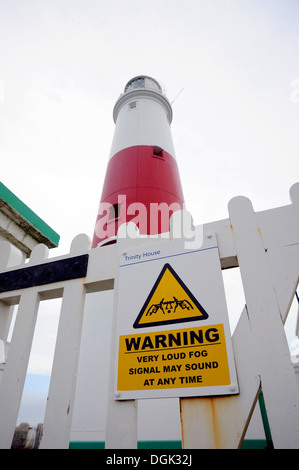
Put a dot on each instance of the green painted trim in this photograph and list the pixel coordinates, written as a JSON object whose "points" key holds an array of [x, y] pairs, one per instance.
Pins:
{"points": [[13, 201], [247, 444], [265, 421], [159, 445], [87, 445], [254, 444], [140, 445]]}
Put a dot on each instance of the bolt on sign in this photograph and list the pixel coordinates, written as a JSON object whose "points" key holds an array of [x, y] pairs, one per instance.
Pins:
{"points": [[173, 336]]}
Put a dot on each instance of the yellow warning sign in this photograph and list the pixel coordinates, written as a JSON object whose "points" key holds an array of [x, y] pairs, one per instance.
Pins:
{"points": [[170, 301], [193, 357]]}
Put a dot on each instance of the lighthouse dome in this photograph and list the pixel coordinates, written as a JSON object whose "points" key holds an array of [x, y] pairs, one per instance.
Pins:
{"points": [[143, 81]]}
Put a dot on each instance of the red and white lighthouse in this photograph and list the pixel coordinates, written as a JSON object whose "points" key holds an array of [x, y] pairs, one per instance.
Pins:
{"points": [[142, 182]]}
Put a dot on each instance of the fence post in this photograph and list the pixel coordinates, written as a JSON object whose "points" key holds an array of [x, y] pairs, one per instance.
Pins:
{"points": [[59, 410], [15, 370], [121, 428], [9, 256], [278, 380]]}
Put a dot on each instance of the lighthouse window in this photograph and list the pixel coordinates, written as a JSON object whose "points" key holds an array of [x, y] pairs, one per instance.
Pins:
{"points": [[158, 152], [138, 83], [135, 83], [132, 104]]}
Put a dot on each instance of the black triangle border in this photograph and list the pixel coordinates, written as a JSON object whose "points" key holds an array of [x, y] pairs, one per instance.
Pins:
{"points": [[204, 315]]}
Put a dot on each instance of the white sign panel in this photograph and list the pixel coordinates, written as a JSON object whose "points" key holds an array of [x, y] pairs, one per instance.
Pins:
{"points": [[173, 336]]}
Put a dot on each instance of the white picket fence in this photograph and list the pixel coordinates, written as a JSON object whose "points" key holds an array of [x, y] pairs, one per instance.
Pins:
{"points": [[265, 246]]}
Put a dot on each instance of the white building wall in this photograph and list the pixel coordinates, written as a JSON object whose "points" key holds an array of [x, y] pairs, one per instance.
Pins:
{"points": [[152, 129]]}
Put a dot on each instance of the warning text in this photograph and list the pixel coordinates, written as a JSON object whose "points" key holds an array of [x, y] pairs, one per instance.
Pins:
{"points": [[193, 357]]}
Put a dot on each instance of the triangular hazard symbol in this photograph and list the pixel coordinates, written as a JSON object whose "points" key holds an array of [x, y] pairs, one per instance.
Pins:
{"points": [[169, 301]]}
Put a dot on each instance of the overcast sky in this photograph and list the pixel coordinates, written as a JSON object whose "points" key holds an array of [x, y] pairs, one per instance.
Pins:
{"points": [[234, 65], [63, 64]]}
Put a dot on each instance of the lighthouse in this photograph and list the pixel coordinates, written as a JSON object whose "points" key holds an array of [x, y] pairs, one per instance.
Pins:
{"points": [[142, 182]]}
